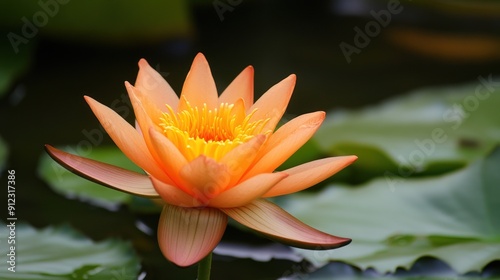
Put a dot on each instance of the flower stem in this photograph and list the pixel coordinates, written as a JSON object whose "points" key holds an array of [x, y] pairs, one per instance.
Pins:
{"points": [[204, 267]]}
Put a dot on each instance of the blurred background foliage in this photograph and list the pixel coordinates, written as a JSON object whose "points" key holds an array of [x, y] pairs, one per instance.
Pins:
{"points": [[406, 64], [101, 22]]}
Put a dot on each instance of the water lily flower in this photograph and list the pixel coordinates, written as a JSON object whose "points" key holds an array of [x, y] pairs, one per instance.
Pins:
{"points": [[211, 157]]}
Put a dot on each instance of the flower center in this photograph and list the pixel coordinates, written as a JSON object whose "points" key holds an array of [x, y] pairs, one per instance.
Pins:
{"points": [[212, 132]]}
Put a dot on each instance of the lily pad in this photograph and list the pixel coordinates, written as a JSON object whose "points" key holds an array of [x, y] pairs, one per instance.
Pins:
{"points": [[308, 152], [73, 186], [452, 217], [429, 131], [426, 268], [62, 253]]}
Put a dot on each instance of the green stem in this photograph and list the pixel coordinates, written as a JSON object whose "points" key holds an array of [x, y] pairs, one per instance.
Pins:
{"points": [[204, 267]]}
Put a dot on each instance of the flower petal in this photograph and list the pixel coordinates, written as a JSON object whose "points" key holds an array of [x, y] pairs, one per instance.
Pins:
{"points": [[205, 177], [269, 219], [247, 191], [105, 174], [199, 86], [241, 87], [142, 100], [171, 158], [145, 112], [173, 195], [240, 158], [151, 83], [273, 103], [308, 174], [127, 138], [187, 235], [286, 141], [238, 111]]}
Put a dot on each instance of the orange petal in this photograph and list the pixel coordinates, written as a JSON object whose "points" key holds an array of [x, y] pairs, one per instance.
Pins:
{"points": [[154, 86], [138, 127], [199, 86], [174, 195], [286, 141], [187, 235], [240, 158], [247, 191], [205, 177], [145, 102], [145, 112], [240, 87], [269, 219], [105, 174], [127, 139], [171, 158], [273, 103], [308, 174], [238, 111]]}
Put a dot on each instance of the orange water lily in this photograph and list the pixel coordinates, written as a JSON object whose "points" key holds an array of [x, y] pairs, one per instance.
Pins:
{"points": [[209, 157]]}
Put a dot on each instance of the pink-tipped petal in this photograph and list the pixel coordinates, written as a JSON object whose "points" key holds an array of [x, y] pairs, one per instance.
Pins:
{"points": [[174, 195], [240, 158], [187, 235], [273, 103], [286, 141], [155, 86], [105, 174], [308, 174], [269, 219], [127, 139], [240, 87], [199, 87], [247, 191], [205, 177]]}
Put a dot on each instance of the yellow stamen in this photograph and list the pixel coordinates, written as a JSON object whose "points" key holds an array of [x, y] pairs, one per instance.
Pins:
{"points": [[212, 132]]}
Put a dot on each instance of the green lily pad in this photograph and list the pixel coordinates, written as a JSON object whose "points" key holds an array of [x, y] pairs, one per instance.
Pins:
{"points": [[429, 131], [426, 268], [68, 184], [453, 217], [62, 253], [308, 152]]}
